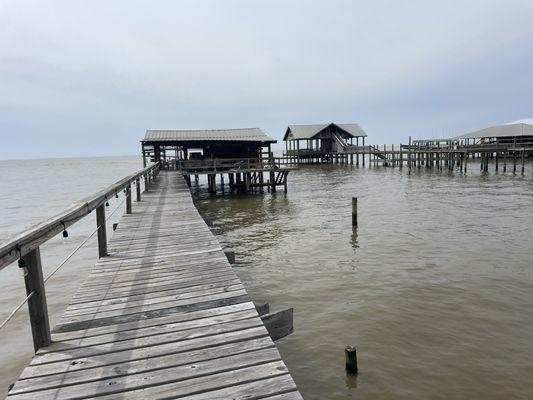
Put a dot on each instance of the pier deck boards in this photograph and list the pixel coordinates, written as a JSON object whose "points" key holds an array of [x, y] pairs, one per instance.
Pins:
{"points": [[163, 316]]}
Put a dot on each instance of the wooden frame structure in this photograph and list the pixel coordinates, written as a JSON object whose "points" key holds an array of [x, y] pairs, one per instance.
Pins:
{"points": [[325, 142], [244, 155]]}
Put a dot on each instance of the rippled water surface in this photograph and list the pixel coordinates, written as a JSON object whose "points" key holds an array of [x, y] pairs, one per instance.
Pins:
{"points": [[31, 191], [435, 288]]}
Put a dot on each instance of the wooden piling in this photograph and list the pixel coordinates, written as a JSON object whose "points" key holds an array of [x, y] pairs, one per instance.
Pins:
{"points": [[37, 307], [409, 156], [354, 212], [128, 199], [138, 188], [102, 235], [351, 359]]}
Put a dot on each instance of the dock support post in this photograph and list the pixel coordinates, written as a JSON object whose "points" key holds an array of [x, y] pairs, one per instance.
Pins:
{"points": [[273, 181], [523, 166], [247, 180], [354, 212], [230, 255], [505, 162], [231, 182], [409, 156], [138, 189], [38, 310], [128, 199], [102, 236], [351, 359]]}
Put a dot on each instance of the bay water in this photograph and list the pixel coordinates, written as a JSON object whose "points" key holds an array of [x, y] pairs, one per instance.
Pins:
{"points": [[435, 287]]}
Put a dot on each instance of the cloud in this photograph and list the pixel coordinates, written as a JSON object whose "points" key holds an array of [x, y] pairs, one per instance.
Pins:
{"points": [[197, 63]]}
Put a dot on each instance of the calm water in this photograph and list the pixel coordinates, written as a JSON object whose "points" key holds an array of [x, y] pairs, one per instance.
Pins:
{"points": [[31, 191], [435, 290]]}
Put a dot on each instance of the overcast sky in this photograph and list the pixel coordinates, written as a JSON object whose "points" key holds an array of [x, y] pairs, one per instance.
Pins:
{"points": [[83, 78]]}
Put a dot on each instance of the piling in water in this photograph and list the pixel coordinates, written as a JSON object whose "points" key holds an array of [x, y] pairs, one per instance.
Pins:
{"points": [[351, 359], [354, 212]]}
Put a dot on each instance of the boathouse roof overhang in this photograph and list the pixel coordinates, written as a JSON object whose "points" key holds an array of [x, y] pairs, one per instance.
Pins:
{"points": [[518, 128], [251, 135], [302, 132]]}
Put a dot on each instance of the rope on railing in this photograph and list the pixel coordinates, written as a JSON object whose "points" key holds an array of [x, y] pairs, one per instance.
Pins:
{"points": [[19, 306], [16, 309]]}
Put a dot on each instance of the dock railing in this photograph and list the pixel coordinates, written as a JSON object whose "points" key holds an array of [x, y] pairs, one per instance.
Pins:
{"points": [[25, 246], [235, 164]]}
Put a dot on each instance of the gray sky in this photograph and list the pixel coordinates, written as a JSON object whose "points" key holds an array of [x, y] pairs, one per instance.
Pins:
{"points": [[89, 77]]}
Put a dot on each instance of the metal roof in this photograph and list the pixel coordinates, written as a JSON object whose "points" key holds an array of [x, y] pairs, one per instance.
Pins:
{"points": [[235, 135], [523, 127], [309, 131]]}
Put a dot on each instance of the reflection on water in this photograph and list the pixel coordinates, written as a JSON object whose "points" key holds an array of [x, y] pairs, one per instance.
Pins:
{"points": [[434, 287], [353, 239]]}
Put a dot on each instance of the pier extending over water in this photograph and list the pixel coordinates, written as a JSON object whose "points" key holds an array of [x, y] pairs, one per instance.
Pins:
{"points": [[161, 315]]}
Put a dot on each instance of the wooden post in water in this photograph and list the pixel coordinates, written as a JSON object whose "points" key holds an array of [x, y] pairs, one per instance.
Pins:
{"points": [[138, 188], [40, 326], [363, 151], [523, 157], [128, 199], [351, 359], [354, 212], [102, 235], [409, 156]]}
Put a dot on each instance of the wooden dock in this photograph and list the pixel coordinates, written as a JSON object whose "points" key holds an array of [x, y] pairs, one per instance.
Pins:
{"points": [[162, 316]]}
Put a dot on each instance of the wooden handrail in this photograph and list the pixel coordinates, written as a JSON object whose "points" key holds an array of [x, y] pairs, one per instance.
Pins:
{"points": [[27, 241]]}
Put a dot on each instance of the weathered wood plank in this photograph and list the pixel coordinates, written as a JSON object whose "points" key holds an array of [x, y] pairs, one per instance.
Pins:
{"points": [[163, 315], [155, 376], [142, 353], [139, 366]]}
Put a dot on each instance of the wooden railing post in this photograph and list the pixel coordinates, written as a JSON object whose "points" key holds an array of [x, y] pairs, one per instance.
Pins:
{"points": [[128, 199], [138, 187], [40, 327], [102, 235]]}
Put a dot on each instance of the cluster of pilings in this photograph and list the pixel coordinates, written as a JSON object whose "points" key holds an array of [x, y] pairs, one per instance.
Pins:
{"points": [[447, 157], [243, 182]]}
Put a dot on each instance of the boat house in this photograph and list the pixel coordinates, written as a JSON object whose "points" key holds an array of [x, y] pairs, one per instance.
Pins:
{"points": [[512, 135], [169, 146], [243, 156], [322, 142]]}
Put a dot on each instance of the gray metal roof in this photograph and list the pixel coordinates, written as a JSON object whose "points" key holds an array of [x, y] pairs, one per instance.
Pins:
{"points": [[309, 131], [517, 128], [236, 135]]}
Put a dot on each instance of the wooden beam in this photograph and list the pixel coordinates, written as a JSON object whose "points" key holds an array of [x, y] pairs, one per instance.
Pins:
{"points": [[40, 326], [279, 324], [102, 235]]}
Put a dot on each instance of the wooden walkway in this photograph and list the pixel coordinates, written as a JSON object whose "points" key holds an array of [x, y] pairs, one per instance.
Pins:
{"points": [[163, 316]]}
